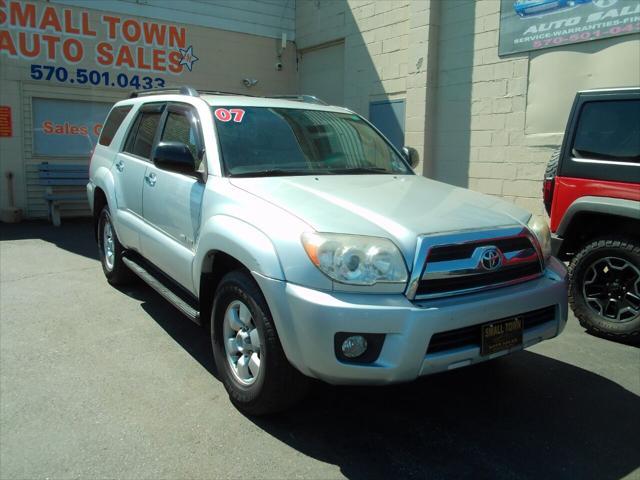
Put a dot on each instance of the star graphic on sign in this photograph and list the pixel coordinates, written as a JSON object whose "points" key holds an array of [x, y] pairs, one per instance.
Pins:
{"points": [[188, 58]]}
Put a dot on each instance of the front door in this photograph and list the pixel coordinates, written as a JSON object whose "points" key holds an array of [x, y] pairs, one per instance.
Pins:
{"points": [[171, 202]]}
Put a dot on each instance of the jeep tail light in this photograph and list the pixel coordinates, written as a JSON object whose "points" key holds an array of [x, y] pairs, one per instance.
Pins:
{"points": [[547, 193]]}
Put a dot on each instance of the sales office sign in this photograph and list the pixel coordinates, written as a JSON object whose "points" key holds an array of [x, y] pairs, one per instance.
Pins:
{"points": [[127, 52]]}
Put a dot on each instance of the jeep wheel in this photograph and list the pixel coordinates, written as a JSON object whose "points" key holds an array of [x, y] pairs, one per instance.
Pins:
{"points": [[253, 367], [111, 251], [604, 287]]}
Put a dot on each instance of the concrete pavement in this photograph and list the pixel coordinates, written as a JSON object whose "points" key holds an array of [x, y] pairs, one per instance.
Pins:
{"points": [[97, 382]]}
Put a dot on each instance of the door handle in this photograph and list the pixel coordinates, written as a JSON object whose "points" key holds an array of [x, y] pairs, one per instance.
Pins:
{"points": [[120, 166], [151, 179]]}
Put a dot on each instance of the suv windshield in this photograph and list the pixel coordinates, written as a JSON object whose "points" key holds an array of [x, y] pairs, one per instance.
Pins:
{"points": [[261, 141]]}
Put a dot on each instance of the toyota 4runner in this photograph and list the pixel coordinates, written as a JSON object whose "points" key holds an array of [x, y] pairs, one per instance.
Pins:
{"points": [[301, 239]]}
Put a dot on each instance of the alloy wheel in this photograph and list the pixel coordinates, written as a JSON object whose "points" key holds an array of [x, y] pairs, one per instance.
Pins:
{"points": [[241, 342], [108, 244], [611, 288]]}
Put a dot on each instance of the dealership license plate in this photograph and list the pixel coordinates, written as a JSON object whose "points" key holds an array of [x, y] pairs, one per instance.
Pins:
{"points": [[503, 335]]}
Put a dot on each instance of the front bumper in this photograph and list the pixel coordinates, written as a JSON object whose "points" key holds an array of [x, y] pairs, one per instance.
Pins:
{"points": [[307, 321]]}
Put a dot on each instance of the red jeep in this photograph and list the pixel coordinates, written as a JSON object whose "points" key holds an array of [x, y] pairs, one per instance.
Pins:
{"points": [[592, 193]]}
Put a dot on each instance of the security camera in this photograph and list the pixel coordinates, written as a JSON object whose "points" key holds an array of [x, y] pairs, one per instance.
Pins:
{"points": [[249, 82], [279, 66]]}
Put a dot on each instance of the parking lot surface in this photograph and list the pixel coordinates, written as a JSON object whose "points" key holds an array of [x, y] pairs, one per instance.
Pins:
{"points": [[97, 382]]}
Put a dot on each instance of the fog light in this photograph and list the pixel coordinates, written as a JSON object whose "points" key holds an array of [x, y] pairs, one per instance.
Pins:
{"points": [[354, 346]]}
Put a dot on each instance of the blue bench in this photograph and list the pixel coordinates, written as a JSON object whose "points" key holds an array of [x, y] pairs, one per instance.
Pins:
{"points": [[62, 175]]}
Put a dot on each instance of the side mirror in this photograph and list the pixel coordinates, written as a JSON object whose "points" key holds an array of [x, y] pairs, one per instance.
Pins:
{"points": [[175, 157], [411, 155]]}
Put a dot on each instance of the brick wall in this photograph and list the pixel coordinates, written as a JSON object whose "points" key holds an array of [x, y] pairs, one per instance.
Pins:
{"points": [[466, 108]]}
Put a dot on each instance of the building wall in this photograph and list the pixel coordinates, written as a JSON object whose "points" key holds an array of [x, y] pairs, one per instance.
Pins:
{"points": [[375, 38], [269, 18], [478, 120], [500, 118], [225, 58]]}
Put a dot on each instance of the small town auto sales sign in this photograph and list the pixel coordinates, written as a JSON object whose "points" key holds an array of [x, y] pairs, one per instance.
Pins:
{"points": [[59, 40], [527, 25]]}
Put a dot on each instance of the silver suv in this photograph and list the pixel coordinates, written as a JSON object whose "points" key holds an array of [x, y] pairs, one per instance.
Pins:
{"points": [[302, 240]]}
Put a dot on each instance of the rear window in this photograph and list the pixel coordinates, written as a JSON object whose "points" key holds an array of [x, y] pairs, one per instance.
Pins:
{"points": [[141, 137], [609, 130], [114, 120]]}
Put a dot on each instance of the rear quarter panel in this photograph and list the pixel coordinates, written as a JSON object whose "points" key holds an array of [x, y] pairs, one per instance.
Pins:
{"points": [[568, 190]]}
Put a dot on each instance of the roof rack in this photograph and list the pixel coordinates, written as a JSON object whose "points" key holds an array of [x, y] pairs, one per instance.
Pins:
{"points": [[300, 98], [219, 92], [192, 92], [184, 90]]}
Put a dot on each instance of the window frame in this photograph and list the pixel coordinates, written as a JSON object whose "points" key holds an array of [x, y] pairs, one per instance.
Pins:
{"points": [[152, 107], [128, 108], [191, 113], [606, 170], [583, 108]]}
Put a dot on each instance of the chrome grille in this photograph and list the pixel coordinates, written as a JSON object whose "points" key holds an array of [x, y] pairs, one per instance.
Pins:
{"points": [[471, 261]]}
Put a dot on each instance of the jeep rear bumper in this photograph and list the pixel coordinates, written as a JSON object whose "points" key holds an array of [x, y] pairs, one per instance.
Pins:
{"points": [[307, 321]]}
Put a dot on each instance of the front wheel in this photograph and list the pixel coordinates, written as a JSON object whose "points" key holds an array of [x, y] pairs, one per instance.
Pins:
{"points": [[252, 365], [604, 287]]}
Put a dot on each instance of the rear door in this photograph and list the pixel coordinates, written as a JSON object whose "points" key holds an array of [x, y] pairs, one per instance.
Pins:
{"points": [[129, 170], [171, 202]]}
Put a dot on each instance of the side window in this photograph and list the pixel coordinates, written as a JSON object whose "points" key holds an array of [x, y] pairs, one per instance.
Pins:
{"points": [[179, 128], [141, 136], [609, 130], [114, 120]]}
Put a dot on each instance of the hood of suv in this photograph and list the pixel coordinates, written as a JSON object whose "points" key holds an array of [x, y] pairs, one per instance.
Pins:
{"points": [[397, 207]]}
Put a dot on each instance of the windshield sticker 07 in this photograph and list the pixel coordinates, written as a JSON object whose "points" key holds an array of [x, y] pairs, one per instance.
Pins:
{"points": [[226, 115]]}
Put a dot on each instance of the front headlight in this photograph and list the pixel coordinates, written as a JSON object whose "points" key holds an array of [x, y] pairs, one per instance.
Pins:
{"points": [[541, 230], [355, 259]]}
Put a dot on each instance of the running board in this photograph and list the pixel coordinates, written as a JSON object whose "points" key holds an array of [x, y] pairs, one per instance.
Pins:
{"points": [[159, 286]]}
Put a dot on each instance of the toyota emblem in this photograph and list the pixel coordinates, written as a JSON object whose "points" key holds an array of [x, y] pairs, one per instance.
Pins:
{"points": [[491, 259]]}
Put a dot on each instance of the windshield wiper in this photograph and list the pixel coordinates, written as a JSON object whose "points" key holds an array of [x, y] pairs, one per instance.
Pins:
{"points": [[358, 170], [273, 172]]}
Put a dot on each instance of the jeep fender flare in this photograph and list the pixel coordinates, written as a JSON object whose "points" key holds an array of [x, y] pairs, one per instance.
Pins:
{"points": [[606, 205], [240, 240]]}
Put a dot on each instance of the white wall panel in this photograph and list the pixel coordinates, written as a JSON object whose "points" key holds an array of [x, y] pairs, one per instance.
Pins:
{"points": [[268, 18]]}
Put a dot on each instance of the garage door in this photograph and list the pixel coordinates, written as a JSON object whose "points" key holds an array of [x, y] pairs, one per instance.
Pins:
{"points": [[322, 73]]}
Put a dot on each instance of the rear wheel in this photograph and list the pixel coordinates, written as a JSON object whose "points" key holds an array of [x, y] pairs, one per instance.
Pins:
{"points": [[604, 287], [111, 251], [252, 365]]}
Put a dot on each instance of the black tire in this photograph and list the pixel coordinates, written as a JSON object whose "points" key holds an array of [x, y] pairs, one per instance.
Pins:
{"points": [[278, 385], [550, 174], [117, 272], [580, 270], [552, 165]]}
